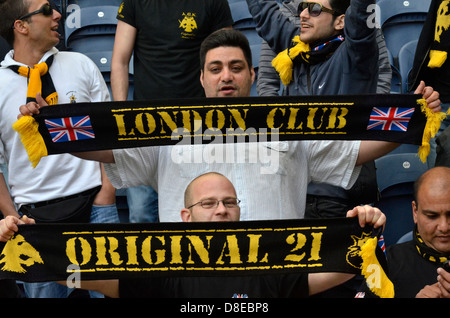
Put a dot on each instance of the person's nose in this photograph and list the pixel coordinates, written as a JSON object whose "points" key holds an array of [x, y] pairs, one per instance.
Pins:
{"points": [[221, 208], [304, 14], [444, 224], [227, 75], [56, 15]]}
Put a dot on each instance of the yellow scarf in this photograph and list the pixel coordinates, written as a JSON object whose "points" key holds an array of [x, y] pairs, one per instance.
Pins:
{"points": [[283, 62], [39, 81]]}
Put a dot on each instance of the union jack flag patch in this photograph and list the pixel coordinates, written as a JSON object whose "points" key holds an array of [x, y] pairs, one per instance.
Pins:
{"points": [[390, 118], [70, 128]]}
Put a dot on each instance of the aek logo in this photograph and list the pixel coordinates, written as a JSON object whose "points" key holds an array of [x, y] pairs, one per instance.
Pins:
{"points": [[18, 253], [442, 20], [353, 256], [188, 24]]}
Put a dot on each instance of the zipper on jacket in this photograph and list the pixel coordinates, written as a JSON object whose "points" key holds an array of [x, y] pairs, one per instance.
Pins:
{"points": [[308, 78], [419, 70]]}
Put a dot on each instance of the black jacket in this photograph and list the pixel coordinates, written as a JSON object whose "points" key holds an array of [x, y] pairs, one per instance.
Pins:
{"points": [[435, 77]]}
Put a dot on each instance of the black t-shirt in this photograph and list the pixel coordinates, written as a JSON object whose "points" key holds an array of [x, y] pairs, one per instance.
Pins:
{"points": [[252, 286], [169, 34], [408, 270]]}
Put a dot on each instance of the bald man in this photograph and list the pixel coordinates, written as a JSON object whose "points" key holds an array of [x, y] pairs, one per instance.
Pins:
{"points": [[211, 197], [415, 267]]}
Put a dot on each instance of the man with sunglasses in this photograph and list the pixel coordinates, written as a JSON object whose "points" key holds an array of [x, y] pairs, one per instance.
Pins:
{"points": [[32, 72], [333, 52]]}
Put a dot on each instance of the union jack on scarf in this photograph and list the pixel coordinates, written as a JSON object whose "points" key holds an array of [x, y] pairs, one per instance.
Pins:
{"points": [[390, 118], [70, 128]]}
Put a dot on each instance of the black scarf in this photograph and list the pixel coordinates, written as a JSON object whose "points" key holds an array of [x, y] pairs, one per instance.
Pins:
{"points": [[323, 50]]}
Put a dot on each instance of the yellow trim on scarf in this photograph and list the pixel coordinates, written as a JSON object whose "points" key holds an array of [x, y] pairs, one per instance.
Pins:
{"points": [[26, 126], [376, 278], [283, 62], [431, 128], [437, 58], [35, 82], [34, 144]]}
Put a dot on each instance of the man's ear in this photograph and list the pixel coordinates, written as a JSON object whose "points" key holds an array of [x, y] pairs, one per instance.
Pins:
{"points": [[185, 215], [253, 74], [414, 209], [20, 26], [339, 22], [201, 78]]}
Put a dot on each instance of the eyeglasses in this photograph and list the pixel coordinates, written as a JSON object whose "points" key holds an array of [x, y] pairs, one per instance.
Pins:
{"points": [[314, 9], [213, 203], [46, 10]]}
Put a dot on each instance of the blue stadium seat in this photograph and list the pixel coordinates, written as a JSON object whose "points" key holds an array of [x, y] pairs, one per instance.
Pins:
{"points": [[103, 61], [401, 22], [94, 3], [405, 62], [89, 22], [396, 174], [405, 148], [405, 238], [241, 16], [255, 42]]}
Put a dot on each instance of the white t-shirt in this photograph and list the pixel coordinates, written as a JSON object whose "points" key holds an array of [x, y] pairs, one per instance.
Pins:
{"points": [[270, 178], [76, 79]]}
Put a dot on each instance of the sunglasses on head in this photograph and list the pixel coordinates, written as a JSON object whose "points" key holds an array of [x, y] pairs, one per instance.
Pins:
{"points": [[46, 10], [314, 9]]}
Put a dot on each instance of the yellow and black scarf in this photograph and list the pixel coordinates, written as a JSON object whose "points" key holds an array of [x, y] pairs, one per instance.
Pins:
{"points": [[440, 45], [314, 54], [427, 252], [39, 81]]}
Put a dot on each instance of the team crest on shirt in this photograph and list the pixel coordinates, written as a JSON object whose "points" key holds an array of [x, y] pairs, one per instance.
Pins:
{"points": [[72, 97], [189, 25]]}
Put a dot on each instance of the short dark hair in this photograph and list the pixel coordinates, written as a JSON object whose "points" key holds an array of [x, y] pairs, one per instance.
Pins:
{"points": [[225, 37], [11, 10], [340, 6]]}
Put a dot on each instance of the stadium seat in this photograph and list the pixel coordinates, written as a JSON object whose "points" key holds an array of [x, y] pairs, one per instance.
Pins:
{"points": [[405, 238], [405, 62], [241, 16], [396, 174], [90, 22], [401, 22], [103, 61], [255, 42], [94, 3]]}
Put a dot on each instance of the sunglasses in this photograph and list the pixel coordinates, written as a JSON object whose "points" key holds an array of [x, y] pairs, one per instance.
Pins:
{"points": [[46, 10], [314, 9]]}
